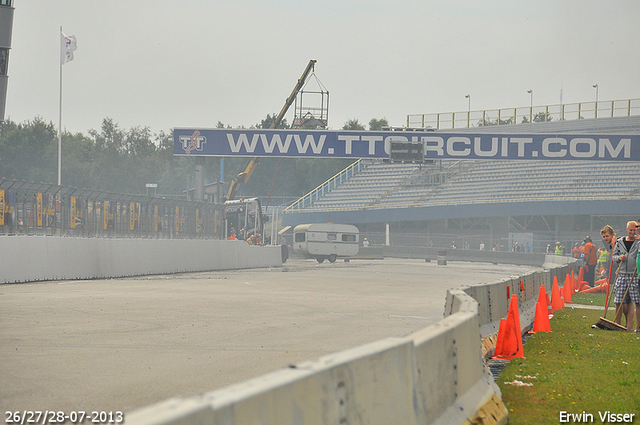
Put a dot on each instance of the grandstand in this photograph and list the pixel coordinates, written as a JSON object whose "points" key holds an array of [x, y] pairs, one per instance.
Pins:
{"points": [[382, 192], [383, 185]]}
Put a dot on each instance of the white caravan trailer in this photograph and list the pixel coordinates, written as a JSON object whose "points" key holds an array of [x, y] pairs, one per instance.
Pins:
{"points": [[326, 241]]}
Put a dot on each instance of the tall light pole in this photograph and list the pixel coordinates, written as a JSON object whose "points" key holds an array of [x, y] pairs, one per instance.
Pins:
{"points": [[468, 96], [6, 26], [595, 86], [530, 105]]}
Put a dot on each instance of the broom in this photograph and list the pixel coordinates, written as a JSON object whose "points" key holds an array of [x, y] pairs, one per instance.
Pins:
{"points": [[603, 323]]}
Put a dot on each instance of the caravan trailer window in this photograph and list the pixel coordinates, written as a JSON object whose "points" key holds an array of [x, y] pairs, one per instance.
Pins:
{"points": [[348, 237], [299, 237], [332, 236]]}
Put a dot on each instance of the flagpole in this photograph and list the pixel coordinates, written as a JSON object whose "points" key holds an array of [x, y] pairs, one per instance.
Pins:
{"points": [[60, 119]]}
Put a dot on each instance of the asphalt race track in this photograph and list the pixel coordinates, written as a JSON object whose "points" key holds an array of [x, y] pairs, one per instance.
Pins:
{"points": [[121, 344]]}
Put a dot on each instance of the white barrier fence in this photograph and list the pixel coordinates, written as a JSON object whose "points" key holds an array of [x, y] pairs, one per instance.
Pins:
{"points": [[34, 258]]}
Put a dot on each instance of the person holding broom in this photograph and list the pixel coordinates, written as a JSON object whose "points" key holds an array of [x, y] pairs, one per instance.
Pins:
{"points": [[625, 255], [608, 242], [637, 283]]}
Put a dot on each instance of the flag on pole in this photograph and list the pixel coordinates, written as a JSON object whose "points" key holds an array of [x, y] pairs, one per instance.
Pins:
{"points": [[68, 45]]}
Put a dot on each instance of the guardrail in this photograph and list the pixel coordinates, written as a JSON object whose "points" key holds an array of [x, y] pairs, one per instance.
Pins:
{"points": [[47, 209], [325, 187], [509, 116], [434, 376]]}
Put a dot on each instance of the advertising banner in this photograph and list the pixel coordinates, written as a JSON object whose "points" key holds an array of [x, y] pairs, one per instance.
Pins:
{"points": [[198, 221], [39, 209], [50, 212], [2, 201], [158, 213], [72, 212], [377, 145], [134, 215], [177, 219], [11, 200], [108, 214]]}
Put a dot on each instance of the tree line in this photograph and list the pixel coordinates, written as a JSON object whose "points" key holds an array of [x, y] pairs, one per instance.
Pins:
{"points": [[123, 161]]}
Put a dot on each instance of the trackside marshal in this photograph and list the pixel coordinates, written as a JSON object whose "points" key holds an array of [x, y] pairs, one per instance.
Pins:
{"points": [[376, 145]]}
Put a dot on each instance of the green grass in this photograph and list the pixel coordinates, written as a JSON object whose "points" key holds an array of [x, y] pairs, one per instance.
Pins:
{"points": [[577, 369], [591, 299]]}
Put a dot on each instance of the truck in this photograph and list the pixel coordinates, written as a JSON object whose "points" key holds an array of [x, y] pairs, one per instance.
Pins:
{"points": [[243, 216], [326, 241]]}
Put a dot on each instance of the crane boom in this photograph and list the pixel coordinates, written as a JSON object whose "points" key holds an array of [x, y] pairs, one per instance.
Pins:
{"points": [[292, 96], [243, 177]]}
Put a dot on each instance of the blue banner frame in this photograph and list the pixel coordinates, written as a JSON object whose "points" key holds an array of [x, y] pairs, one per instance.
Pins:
{"points": [[376, 144]]}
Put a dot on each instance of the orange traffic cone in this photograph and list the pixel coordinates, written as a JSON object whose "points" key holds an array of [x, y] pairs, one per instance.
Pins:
{"points": [[549, 307], [542, 295], [500, 339], [581, 275], [510, 346], [583, 286], [556, 301], [568, 289], [541, 322], [574, 282]]}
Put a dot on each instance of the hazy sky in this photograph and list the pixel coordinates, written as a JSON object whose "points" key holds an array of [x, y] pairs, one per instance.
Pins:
{"points": [[166, 64]]}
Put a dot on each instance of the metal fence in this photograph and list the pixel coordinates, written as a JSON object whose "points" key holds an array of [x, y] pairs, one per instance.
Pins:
{"points": [[326, 187], [536, 242], [46, 209], [508, 116]]}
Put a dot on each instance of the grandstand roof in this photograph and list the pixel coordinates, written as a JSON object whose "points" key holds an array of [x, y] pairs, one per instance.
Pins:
{"points": [[624, 125]]}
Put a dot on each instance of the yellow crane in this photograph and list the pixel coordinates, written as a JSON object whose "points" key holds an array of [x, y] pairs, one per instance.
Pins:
{"points": [[243, 177]]}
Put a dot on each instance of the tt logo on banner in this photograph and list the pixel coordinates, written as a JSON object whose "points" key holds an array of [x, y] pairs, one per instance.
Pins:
{"points": [[195, 142]]}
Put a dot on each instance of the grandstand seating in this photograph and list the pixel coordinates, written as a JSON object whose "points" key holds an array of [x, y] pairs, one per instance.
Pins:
{"points": [[452, 182], [366, 187], [383, 185]]}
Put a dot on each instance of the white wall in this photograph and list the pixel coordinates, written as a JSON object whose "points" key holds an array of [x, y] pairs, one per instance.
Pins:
{"points": [[33, 258]]}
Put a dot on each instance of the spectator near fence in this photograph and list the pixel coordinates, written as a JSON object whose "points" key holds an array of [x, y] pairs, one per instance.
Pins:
{"points": [[603, 261], [591, 259], [559, 249]]}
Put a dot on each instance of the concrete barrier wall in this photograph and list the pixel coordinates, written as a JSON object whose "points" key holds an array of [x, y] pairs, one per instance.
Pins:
{"points": [[34, 258], [453, 383], [435, 376], [494, 298]]}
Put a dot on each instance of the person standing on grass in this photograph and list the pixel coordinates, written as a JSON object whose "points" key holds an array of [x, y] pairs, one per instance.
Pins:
{"points": [[637, 288], [625, 255], [590, 259], [602, 267], [609, 241]]}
